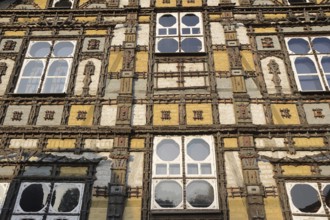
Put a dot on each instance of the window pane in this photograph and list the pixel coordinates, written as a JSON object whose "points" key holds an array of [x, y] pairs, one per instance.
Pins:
{"points": [[161, 169], [167, 20], [196, 30], [168, 150], [29, 85], [200, 194], [65, 198], [63, 4], [38, 193], [190, 20], [328, 80], [185, 30], [308, 201], [37, 171], [174, 169], [191, 45], [192, 168], [63, 49], [206, 168], [162, 31], [321, 44], [326, 194], [326, 64], [298, 46], [198, 149], [58, 68], [168, 194], [168, 46], [305, 65], [33, 68], [297, 1], [172, 31], [310, 83], [54, 85], [40, 49]]}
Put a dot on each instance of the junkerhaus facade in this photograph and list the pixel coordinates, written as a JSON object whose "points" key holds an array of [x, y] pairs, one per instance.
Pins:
{"points": [[164, 109]]}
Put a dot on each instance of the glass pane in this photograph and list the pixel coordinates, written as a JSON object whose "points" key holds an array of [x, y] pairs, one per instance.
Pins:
{"points": [[198, 149], [192, 168], [172, 31], [308, 201], [168, 194], [40, 49], [54, 85], [167, 20], [328, 80], [58, 68], [310, 83], [190, 20], [206, 168], [63, 4], [168, 46], [321, 44], [168, 150], [38, 193], [33, 68], [326, 64], [161, 169], [29, 85], [196, 30], [305, 65], [326, 194], [65, 197], [63, 49], [185, 30], [298, 46], [191, 45], [200, 194], [162, 31], [174, 169]]}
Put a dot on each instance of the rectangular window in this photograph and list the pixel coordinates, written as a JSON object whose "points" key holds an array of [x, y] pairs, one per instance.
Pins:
{"points": [[179, 33], [310, 60], [46, 67], [184, 173]]}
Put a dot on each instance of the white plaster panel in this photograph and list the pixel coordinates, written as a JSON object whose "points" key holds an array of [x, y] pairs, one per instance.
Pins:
{"points": [[95, 144], [23, 143], [242, 35], [212, 2], [112, 88], [263, 2], [268, 77], [4, 20], [266, 173], [97, 6], [320, 28], [282, 154], [68, 32], [41, 33], [293, 29], [252, 88], [226, 114], [225, 88], [233, 166], [5, 78], [139, 88], [191, 67], [167, 82], [143, 34], [325, 119], [145, 3], [258, 114], [94, 78], [25, 109], [217, 33], [122, 3], [118, 35], [135, 169], [109, 114], [267, 142], [115, 19], [245, 16], [236, 2], [167, 67], [139, 115], [195, 81]]}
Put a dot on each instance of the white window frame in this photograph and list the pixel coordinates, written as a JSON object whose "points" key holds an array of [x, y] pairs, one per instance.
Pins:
{"points": [[4, 188], [55, 1]]}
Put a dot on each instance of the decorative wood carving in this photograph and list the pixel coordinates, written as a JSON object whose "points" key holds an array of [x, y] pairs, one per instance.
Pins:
{"points": [[88, 73]]}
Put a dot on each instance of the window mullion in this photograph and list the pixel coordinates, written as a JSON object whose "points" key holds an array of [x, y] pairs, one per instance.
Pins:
{"points": [[318, 64], [43, 76], [184, 181]]}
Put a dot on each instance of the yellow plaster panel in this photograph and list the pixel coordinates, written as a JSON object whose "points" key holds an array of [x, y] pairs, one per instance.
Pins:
{"points": [[132, 209], [115, 61], [99, 207], [195, 3], [23, 20], [309, 142], [41, 3], [214, 17], [319, 1], [296, 170], [230, 142], [221, 60], [81, 2], [86, 19], [137, 143], [73, 120], [73, 171], [273, 208], [160, 3], [265, 30], [14, 33], [274, 16], [237, 208], [174, 114], [247, 60], [141, 61], [144, 19], [61, 143], [207, 114], [96, 32], [278, 119]]}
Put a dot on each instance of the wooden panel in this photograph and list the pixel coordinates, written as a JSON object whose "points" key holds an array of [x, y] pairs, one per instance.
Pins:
{"points": [[141, 61], [73, 171], [137, 143], [174, 114], [247, 60], [96, 32], [74, 119], [132, 209], [237, 208], [296, 170], [291, 118], [230, 142], [206, 114], [115, 61], [221, 61], [61, 143], [309, 142], [273, 208], [195, 3]]}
